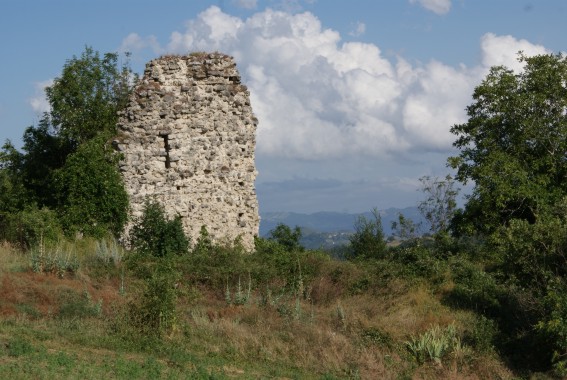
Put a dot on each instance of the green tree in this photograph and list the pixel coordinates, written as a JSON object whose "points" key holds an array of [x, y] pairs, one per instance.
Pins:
{"points": [[12, 190], [440, 203], [91, 195], [368, 239], [513, 148], [67, 163], [405, 228], [287, 237], [155, 235], [86, 98], [44, 153], [513, 145]]}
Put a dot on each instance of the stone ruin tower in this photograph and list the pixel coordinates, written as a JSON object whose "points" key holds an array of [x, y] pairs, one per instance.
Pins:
{"points": [[188, 137]]}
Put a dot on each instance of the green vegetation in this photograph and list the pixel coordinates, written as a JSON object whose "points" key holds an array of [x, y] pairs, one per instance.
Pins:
{"points": [[439, 204], [368, 239], [435, 343], [513, 148], [482, 296], [154, 235], [218, 311], [67, 165]]}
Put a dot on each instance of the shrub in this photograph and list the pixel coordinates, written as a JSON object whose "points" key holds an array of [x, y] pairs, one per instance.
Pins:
{"points": [[274, 259], [419, 259], [31, 227], [155, 313], [554, 325], [434, 344], [483, 334], [475, 289], [368, 239], [157, 243], [214, 264], [19, 346], [154, 235], [75, 305]]}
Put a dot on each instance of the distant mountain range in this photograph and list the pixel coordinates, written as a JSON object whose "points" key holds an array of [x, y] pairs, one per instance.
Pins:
{"points": [[331, 228]]}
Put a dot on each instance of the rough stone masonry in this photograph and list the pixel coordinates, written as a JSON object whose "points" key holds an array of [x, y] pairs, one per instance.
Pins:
{"points": [[188, 140]]}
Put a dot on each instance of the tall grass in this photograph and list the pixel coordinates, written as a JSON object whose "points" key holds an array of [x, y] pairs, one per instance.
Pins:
{"points": [[11, 258], [275, 314]]}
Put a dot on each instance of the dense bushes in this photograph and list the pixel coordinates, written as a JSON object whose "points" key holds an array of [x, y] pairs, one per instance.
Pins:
{"points": [[154, 235], [30, 227], [166, 279], [157, 243]]}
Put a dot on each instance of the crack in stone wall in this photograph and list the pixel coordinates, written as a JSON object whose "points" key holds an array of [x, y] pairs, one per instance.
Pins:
{"points": [[188, 137]]}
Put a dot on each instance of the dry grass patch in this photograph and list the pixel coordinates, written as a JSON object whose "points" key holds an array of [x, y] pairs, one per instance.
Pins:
{"points": [[11, 259], [342, 320], [315, 341], [42, 295]]}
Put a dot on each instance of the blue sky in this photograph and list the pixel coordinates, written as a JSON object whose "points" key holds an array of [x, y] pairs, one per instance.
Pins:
{"points": [[355, 99]]}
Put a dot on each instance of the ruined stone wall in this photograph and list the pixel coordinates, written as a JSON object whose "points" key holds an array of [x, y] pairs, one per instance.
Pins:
{"points": [[188, 138]]}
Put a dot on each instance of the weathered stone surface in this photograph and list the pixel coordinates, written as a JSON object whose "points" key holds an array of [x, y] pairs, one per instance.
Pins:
{"points": [[188, 139]]}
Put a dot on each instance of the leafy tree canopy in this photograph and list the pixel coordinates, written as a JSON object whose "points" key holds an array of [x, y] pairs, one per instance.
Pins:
{"points": [[287, 237], [66, 164], [91, 196], [368, 239], [514, 149], [86, 98], [514, 144]]}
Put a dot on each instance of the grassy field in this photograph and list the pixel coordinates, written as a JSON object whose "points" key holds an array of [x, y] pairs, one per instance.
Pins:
{"points": [[340, 320]]}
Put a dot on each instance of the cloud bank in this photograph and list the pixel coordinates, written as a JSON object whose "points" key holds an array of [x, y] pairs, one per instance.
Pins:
{"points": [[317, 97]]}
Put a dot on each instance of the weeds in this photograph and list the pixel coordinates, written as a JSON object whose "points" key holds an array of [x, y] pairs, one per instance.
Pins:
{"points": [[241, 297], [341, 316], [19, 347], [75, 305], [375, 336], [299, 315], [435, 343], [108, 251], [57, 260]]}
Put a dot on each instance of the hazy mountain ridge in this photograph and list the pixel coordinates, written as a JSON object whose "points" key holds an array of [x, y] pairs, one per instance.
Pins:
{"points": [[331, 228]]}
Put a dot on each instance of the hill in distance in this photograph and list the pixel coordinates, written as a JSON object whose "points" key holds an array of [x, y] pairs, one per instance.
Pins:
{"points": [[328, 229]]}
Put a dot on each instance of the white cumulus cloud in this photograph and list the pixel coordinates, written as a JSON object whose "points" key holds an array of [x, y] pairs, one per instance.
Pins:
{"points": [[503, 50], [439, 7], [317, 97]]}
